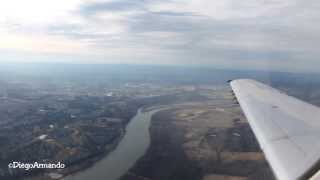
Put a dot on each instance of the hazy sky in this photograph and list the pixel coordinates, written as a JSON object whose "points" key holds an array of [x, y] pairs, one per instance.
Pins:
{"points": [[260, 34]]}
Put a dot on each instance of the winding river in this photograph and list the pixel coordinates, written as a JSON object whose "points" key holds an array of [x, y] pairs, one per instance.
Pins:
{"points": [[133, 146]]}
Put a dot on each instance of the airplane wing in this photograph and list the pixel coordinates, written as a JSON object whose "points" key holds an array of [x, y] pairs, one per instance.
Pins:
{"points": [[288, 129]]}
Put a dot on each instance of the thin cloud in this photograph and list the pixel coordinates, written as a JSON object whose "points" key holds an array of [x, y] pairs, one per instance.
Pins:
{"points": [[228, 33]]}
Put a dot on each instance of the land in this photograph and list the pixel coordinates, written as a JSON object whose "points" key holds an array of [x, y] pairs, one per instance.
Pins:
{"points": [[77, 114], [60, 128], [72, 124], [202, 141]]}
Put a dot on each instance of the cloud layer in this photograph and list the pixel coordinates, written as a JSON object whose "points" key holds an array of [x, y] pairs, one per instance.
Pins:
{"points": [[249, 34]]}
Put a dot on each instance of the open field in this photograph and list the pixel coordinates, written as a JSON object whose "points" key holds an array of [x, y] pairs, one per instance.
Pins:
{"points": [[202, 141]]}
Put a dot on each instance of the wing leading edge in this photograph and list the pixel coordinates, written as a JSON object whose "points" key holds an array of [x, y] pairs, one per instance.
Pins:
{"points": [[288, 129]]}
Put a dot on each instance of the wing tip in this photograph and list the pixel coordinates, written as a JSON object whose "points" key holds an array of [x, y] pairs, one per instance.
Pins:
{"points": [[235, 81]]}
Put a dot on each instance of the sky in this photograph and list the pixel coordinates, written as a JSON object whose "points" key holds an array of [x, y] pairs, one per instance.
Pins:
{"points": [[279, 35]]}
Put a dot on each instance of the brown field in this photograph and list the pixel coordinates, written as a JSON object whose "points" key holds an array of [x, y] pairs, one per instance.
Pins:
{"points": [[223, 177], [202, 141]]}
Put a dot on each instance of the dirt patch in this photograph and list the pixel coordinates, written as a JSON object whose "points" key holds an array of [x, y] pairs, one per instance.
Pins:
{"points": [[223, 177], [201, 142]]}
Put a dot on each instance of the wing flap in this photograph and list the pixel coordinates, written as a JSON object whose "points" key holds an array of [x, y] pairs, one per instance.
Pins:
{"points": [[287, 128]]}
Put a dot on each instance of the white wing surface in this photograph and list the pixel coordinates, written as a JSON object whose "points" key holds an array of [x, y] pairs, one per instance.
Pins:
{"points": [[288, 129]]}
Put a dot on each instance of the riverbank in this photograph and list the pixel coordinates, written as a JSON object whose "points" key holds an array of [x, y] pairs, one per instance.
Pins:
{"points": [[96, 133], [165, 158], [86, 163], [132, 147], [83, 165], [201, 143]]}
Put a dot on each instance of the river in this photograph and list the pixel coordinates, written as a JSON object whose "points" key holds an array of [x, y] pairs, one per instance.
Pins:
{"points": [[132, 146]]}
